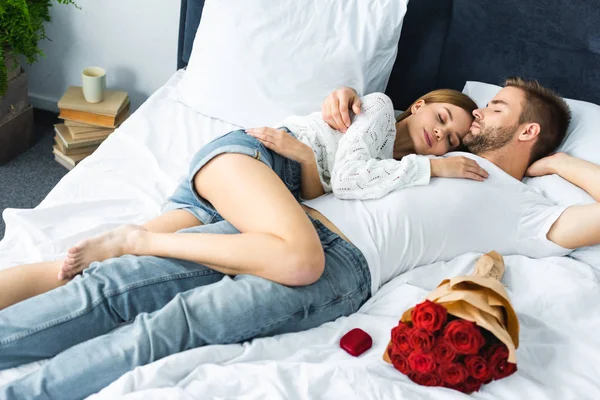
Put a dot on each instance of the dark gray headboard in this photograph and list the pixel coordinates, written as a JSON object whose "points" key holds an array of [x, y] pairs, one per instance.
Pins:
{"points": [[446, 42]]}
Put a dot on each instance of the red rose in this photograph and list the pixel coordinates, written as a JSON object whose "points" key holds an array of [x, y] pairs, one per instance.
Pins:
{"points": [[497, 356], [461, 387], [478, 368], [464, 336], [472, 385], [400, 338], [453, 373], [429, 316], [421, 340], [429, 379], [443, 352], [400, 362], [421, 362]]}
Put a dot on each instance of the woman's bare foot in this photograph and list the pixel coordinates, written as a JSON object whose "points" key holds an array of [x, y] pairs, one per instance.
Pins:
{"points": [[111, 244]]}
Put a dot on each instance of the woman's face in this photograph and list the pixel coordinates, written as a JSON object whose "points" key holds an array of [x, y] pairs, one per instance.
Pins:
{"points": [[437, 128]]}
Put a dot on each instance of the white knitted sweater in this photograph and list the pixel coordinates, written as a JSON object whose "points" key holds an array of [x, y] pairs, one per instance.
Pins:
{"points": [[359, 164]]}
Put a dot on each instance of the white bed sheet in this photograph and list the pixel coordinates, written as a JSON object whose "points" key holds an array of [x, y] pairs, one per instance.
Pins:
{"points": [[556, 301], [128, 178]]}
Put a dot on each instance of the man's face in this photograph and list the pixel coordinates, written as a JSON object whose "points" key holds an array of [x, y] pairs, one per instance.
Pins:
{"points": [[496, 125]]}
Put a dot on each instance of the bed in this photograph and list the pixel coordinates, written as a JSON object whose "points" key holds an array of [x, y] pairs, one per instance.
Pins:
{"points": [[449, 42]]}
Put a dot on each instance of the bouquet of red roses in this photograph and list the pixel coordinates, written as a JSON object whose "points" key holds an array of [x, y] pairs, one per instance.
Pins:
{"points": [[462, 336]]}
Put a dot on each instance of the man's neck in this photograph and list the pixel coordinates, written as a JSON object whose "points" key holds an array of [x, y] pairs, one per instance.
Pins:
{"points": [[403, 144], [506, 159]]}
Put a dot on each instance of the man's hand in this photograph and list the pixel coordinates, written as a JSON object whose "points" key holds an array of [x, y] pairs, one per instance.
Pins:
{"points": [[336, 108], [282, 143], [457, 167], [547, 165]]}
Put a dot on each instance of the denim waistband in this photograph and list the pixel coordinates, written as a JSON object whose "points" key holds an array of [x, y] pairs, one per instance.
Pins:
{"points": [[326, 236]]}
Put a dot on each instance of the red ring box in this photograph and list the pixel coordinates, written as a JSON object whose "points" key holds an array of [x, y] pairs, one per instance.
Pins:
{"points": [[356, 342]]}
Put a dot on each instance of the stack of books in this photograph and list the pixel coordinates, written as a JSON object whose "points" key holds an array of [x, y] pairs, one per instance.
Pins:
{"points": [[86, 125]]}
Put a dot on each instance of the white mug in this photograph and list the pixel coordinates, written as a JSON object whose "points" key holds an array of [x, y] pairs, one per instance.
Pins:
{"points": [[94, 84]]}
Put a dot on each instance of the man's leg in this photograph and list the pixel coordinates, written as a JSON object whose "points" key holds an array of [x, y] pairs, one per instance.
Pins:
{"points": [[25, 281], [105, 296], [230, 311]]}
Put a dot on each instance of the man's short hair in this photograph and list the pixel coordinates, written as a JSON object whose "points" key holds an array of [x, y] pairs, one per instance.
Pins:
{"points": [[546, 108]]}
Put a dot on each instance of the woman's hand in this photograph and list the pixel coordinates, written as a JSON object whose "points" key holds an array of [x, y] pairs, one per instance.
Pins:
{"points": [[547, 165], [457, 167], [282, 143], [336, 108]]}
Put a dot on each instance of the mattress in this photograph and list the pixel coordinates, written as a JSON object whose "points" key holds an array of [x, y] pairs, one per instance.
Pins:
{"points": [[129, 177]]}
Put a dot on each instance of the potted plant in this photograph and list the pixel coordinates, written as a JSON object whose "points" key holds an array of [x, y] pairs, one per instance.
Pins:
{"points": [[21, 28]]}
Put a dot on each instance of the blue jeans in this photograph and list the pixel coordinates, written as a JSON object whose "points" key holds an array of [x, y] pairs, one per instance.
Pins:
{"points": [[163, 306], [186, 196]]}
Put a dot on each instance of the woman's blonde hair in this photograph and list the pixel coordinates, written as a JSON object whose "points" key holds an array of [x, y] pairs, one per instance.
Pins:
{"points": [[443, 96]]}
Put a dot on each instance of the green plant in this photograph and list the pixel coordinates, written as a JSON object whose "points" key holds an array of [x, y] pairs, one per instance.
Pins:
{"points": [[21, 28]]}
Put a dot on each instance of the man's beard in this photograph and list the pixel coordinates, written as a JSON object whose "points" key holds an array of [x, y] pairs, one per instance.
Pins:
{"points": [[489, 139]]}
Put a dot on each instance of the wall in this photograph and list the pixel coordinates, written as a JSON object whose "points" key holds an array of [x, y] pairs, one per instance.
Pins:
{"points": [[135, 41]]}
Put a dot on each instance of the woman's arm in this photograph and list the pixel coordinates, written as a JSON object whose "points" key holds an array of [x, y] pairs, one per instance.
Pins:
{"points": [[364, 167], [311, 186], [283, 143], [578, 226]]}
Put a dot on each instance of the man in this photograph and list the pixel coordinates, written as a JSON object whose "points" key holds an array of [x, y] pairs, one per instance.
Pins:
{"points": [[407, 228]]}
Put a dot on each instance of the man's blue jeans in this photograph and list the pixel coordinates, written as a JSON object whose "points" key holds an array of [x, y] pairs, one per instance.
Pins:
{"points": [[162, 306]]}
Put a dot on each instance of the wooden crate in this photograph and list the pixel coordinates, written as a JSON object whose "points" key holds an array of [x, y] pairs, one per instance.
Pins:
{"points": [[16, 135], [11, 70], [15, 100]]}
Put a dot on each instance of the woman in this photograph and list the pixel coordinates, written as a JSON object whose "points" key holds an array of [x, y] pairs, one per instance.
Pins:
{"points": [[433, 125]]}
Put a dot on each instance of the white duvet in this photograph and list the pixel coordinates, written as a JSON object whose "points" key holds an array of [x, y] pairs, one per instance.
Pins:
{"points": [[130, 175]]}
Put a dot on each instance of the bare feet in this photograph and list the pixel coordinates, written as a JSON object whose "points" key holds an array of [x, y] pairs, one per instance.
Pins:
{"points": [[111, 244]]}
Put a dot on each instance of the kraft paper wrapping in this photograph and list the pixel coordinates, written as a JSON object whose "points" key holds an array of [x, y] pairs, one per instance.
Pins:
{"points": [[481, 298]]}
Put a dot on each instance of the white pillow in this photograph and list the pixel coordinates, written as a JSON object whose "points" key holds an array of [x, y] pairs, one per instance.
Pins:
{"points": [[582, 141], [255, 62]]}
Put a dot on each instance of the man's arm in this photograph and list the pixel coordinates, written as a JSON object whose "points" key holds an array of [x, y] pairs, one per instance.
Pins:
{"points": [[336, 108], [578, 226]]}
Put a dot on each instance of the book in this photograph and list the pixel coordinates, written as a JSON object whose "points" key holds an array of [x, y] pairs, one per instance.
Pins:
{"points": [[112, 105], [68, 122], [63, 162], [71, 160], [68, 142], [74, 150], [78, 131], [83, 125], [93, 134], [107, 121]]}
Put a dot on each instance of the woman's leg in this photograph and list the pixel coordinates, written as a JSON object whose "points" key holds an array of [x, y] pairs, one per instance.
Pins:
{"points": [[117, 242], [25, 281], [278, 241], [172, 221]]}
